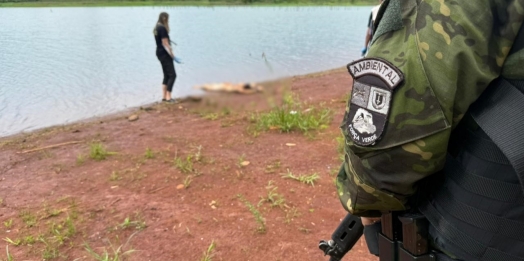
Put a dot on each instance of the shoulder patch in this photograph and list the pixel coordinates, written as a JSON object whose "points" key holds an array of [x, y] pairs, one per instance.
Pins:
{"points": [[374, 81]]}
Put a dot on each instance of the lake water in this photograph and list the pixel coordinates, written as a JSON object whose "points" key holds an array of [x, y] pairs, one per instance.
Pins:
{"points": [[60, 65]]}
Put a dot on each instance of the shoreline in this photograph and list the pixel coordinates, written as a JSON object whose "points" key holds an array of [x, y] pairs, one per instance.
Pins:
{"points": [[133, 110]]}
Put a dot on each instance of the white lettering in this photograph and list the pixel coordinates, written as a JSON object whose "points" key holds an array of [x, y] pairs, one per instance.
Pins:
{"points": [[370, 139], [375, 67], [353, 133]]}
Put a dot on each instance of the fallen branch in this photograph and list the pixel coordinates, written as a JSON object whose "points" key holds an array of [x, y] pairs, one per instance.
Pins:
{"points": [[49, 147]]}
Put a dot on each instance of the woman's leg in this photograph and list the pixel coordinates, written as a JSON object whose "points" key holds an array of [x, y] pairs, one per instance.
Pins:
{"points": [[168, 69], [171, 79]]}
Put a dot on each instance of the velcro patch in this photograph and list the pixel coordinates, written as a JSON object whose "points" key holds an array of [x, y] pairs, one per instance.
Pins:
{"points": [[374, 81]]}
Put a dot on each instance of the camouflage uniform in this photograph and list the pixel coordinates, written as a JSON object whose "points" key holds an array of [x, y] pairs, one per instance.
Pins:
{"points": [[448, 52]]}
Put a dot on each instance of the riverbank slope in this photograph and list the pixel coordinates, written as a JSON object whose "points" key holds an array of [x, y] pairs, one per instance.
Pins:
{"points": [[215, 179]]}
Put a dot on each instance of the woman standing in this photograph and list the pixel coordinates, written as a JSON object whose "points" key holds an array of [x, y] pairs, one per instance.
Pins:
{"points": [[165, 55]]}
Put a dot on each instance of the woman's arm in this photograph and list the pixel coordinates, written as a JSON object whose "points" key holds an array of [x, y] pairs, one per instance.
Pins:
{"points": [[167, 47]]}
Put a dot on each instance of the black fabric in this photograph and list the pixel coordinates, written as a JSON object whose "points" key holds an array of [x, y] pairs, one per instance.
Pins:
{"points": [[481, 219], [477, 211], [506, 132], [470, 249], [371, 235], [480, 185], [160, 33], [168, 67], [485, 149]]}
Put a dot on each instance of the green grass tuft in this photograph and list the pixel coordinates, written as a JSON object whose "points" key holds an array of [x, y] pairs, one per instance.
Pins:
{"points": [[98, 152], [208, 255], [293, 115], [309, 180], [261, 228]]}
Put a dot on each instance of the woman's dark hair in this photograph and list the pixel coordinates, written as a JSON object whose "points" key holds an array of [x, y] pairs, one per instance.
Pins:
{"points": [[163, 20]]}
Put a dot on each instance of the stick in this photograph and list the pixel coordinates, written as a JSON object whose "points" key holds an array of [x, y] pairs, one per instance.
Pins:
{"points": [[158, 189], [50, 146]]}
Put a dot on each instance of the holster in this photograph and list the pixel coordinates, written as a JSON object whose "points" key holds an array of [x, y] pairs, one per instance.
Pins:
{"points": [[404, 237]]}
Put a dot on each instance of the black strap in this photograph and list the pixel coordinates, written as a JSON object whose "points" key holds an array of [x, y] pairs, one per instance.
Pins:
{"points": [[494, 189], [484, 149], [463, 241], [500, 113], [481, 219]]}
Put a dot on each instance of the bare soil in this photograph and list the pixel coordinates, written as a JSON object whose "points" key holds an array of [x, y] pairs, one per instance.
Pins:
{"points": [[54, 202]]}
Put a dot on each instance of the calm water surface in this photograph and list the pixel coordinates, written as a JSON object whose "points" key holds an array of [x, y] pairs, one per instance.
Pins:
{"points": [[59, 65]]}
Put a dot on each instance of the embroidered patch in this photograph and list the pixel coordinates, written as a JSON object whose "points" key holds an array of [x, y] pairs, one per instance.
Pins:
{"points": [[374, 81]]}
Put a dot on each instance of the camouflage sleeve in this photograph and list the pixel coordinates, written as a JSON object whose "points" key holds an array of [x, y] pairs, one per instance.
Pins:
{"points": [[448, 52]]}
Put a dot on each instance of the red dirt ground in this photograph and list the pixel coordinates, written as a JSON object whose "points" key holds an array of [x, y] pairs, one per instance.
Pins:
{"points": [[40, 191]]}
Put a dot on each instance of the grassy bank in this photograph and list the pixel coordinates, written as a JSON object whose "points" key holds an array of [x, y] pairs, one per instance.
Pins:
{"points": [[80, 3]]}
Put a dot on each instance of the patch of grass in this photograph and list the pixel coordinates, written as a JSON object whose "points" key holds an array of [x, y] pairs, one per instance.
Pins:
{"points": [[149, 154], [98, 151], [50, 251], [304, 230], [293, 115], [115, 176], [273, 198], [198, 154], [210, 116], [29, 240], [9, 257], [28, 218], [209, 253], [187, 181], [15, 242], [309, 180], [137, 224], [261, 228], [116, 254], [184, 165], [80, 159], [291, 214], [8, 223], [273, 166]]}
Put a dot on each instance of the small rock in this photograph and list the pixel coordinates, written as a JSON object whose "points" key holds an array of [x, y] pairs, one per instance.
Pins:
{"points": [[181, 186], [244, 163], [133, 117]]}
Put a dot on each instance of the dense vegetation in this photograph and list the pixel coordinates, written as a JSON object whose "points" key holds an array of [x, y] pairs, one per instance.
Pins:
{"points": [[7, 3]]}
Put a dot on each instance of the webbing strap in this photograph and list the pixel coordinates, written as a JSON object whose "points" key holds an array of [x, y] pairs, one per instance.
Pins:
{"points": [[462, 240], [480, 219], [485, 149], [494, 189], [500, 113]]}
